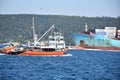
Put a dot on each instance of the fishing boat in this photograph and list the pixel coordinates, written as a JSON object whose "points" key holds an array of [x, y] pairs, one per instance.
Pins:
{"points": [[8, 48], [53, 46]]}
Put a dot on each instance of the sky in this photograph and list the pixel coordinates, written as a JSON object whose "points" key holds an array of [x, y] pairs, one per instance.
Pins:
{"points": [[90, 8]]}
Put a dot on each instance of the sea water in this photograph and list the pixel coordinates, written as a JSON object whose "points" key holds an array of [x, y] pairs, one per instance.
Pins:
{"points": [[75, 65]]}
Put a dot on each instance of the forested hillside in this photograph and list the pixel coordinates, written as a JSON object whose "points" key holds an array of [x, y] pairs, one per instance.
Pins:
{"points": [[18, 27]]}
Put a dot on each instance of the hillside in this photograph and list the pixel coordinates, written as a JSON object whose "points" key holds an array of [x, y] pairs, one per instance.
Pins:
{"points": [[17, 27]]}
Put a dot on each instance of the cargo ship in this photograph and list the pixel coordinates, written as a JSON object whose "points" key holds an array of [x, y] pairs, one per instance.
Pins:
{"points": [[103, 39]]}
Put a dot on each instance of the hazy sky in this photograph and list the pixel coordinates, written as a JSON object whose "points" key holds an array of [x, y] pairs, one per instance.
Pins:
{"points": [[62, 7]]}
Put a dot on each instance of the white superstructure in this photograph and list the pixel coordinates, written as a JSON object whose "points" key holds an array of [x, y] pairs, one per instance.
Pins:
{"points": [[55, 40]]}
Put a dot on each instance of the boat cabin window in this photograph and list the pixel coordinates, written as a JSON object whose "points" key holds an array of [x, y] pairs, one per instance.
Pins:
{"points": [[61, 39], [48, 49], [52, 39]]}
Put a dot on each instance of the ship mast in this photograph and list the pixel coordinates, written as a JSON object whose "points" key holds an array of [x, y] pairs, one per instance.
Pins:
{"points": [[86, 27], [34, 34]]}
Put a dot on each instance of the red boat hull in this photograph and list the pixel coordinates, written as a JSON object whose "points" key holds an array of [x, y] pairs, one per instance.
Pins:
{"points": [[41, 53], [7, 50]]}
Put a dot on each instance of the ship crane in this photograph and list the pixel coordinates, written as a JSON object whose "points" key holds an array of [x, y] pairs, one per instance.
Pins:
{"points": [[35, 39], [52, 27]]}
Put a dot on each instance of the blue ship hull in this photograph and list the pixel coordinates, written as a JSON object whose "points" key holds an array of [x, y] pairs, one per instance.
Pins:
{"points": [[95, 40]]}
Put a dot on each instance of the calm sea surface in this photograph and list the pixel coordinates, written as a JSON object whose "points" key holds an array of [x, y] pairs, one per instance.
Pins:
{"points": [[82, 65]]}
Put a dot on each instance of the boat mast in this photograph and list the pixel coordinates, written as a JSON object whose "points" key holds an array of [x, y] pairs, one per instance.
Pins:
{"points": [[34, 34], [86, 27]]}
